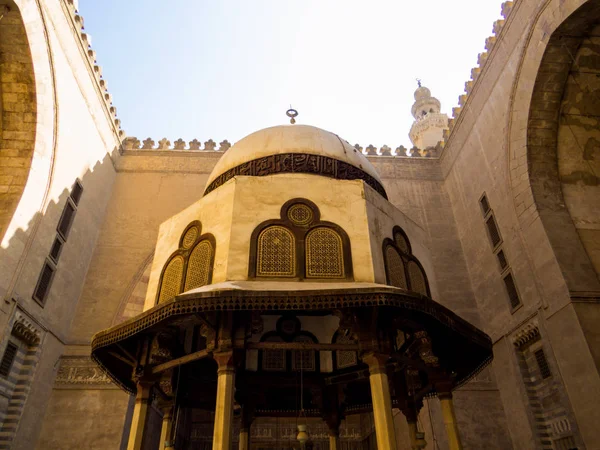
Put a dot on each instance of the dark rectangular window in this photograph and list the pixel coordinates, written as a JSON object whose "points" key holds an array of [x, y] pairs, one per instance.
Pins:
{"points": [[485, 206], [493, 231], [76, 192], [66, 220], [511, 289], [56, 248], [502, 260], [44, 282], [542, 362], [8, 359]]}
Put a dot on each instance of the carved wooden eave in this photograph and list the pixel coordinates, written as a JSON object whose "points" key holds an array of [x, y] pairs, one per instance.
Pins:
{"points": [[462, 348]]}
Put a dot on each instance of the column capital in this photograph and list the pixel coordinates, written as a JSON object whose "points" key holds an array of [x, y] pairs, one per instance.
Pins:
{"points": [[224, 361], [376, 362]]}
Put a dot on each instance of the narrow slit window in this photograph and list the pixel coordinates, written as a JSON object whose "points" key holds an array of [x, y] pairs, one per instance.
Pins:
{"points": [[56, 249], [502, 260], [66, 220], [7, 359], [493, 231], [485, 206], [76, 192], [542, 362], [44, 283], [511, 289]]}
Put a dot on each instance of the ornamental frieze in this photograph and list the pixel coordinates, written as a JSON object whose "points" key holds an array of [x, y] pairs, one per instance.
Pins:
{"points": [[80, 372], [297, 163]]}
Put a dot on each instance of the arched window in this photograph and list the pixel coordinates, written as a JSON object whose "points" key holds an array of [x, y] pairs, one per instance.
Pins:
{"points": [[300, 245], [171, 279], [417, 278], [344, 359], [274, 360], [276, 256], [324, 254], [303, 359], [190, 266], [402, 268], [199, 265], [395, 268]]}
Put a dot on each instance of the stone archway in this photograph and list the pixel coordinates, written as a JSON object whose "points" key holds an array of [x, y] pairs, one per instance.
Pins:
{"points": [[18, 110], [551, 48]]}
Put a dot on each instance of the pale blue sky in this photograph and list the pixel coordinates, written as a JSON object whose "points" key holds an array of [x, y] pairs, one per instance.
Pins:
{"points": [[223, 69]]}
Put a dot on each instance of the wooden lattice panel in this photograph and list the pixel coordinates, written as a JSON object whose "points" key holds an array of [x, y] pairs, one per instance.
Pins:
{"points": [[276, 256], [417, 278], [171, 281], [343, 358], [190, 237], [324, 254], [303, 359], [199, 266], [401, 242], [395, 268], [274, 359], [300, 214]]}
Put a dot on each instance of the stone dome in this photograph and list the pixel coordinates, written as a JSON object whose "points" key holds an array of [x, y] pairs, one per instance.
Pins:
{"points": [[422, 92], [250, 156]]}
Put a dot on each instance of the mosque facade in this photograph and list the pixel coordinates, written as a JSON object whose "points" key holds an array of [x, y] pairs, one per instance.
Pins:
{"points": [[294, 289]]}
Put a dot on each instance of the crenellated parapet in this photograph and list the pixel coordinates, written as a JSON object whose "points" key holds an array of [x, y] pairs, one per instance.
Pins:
{"points": [[164, 144], [86, 41], [482, 59]]}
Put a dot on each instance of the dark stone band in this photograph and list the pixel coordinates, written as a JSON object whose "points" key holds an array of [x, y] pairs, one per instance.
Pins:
{"points": [[298, 163]]}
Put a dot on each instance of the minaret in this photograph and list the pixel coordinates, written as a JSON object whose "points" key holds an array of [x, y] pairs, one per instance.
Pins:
{"points": [[427, 129]]}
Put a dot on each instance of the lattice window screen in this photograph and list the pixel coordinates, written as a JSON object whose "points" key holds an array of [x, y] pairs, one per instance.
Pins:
{"points": [[395, 268], [401, 242], [345, 359], [190, 237], [273, 359], [276, 255], [303, 359], [198, 270], [324, 254], [171, 280], [417, 278]]}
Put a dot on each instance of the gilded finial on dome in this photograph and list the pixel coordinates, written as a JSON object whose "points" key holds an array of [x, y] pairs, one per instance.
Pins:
{"points": [[292, 113]]}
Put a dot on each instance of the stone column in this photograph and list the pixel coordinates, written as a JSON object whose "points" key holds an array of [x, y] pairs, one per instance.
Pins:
{"points": [[222, 435], [246, 423], [450, 420], [334, 439], [166, 432], [382, 402], [140, 416]]}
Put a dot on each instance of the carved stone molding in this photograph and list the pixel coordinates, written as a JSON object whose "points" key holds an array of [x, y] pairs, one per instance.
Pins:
{"points": [[297, 163], [26, 330], [80, 372], [526, 334]]}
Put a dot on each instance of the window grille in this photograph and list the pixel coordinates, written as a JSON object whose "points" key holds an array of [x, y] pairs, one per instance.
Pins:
{"points": [[303, 359], [8, 359], [66, 220], [300, 214], [401, 242], [324, 254], [190, 237], [565, 443], [511, 289], [199, 265], [542, 362], [485, 206], [493, 231], [56, 249], [417, 278], [76, 192], [171, 280], [345, 358], [395, 268], [274, 359], [502, 260], [43, 285], [276, 256]]}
